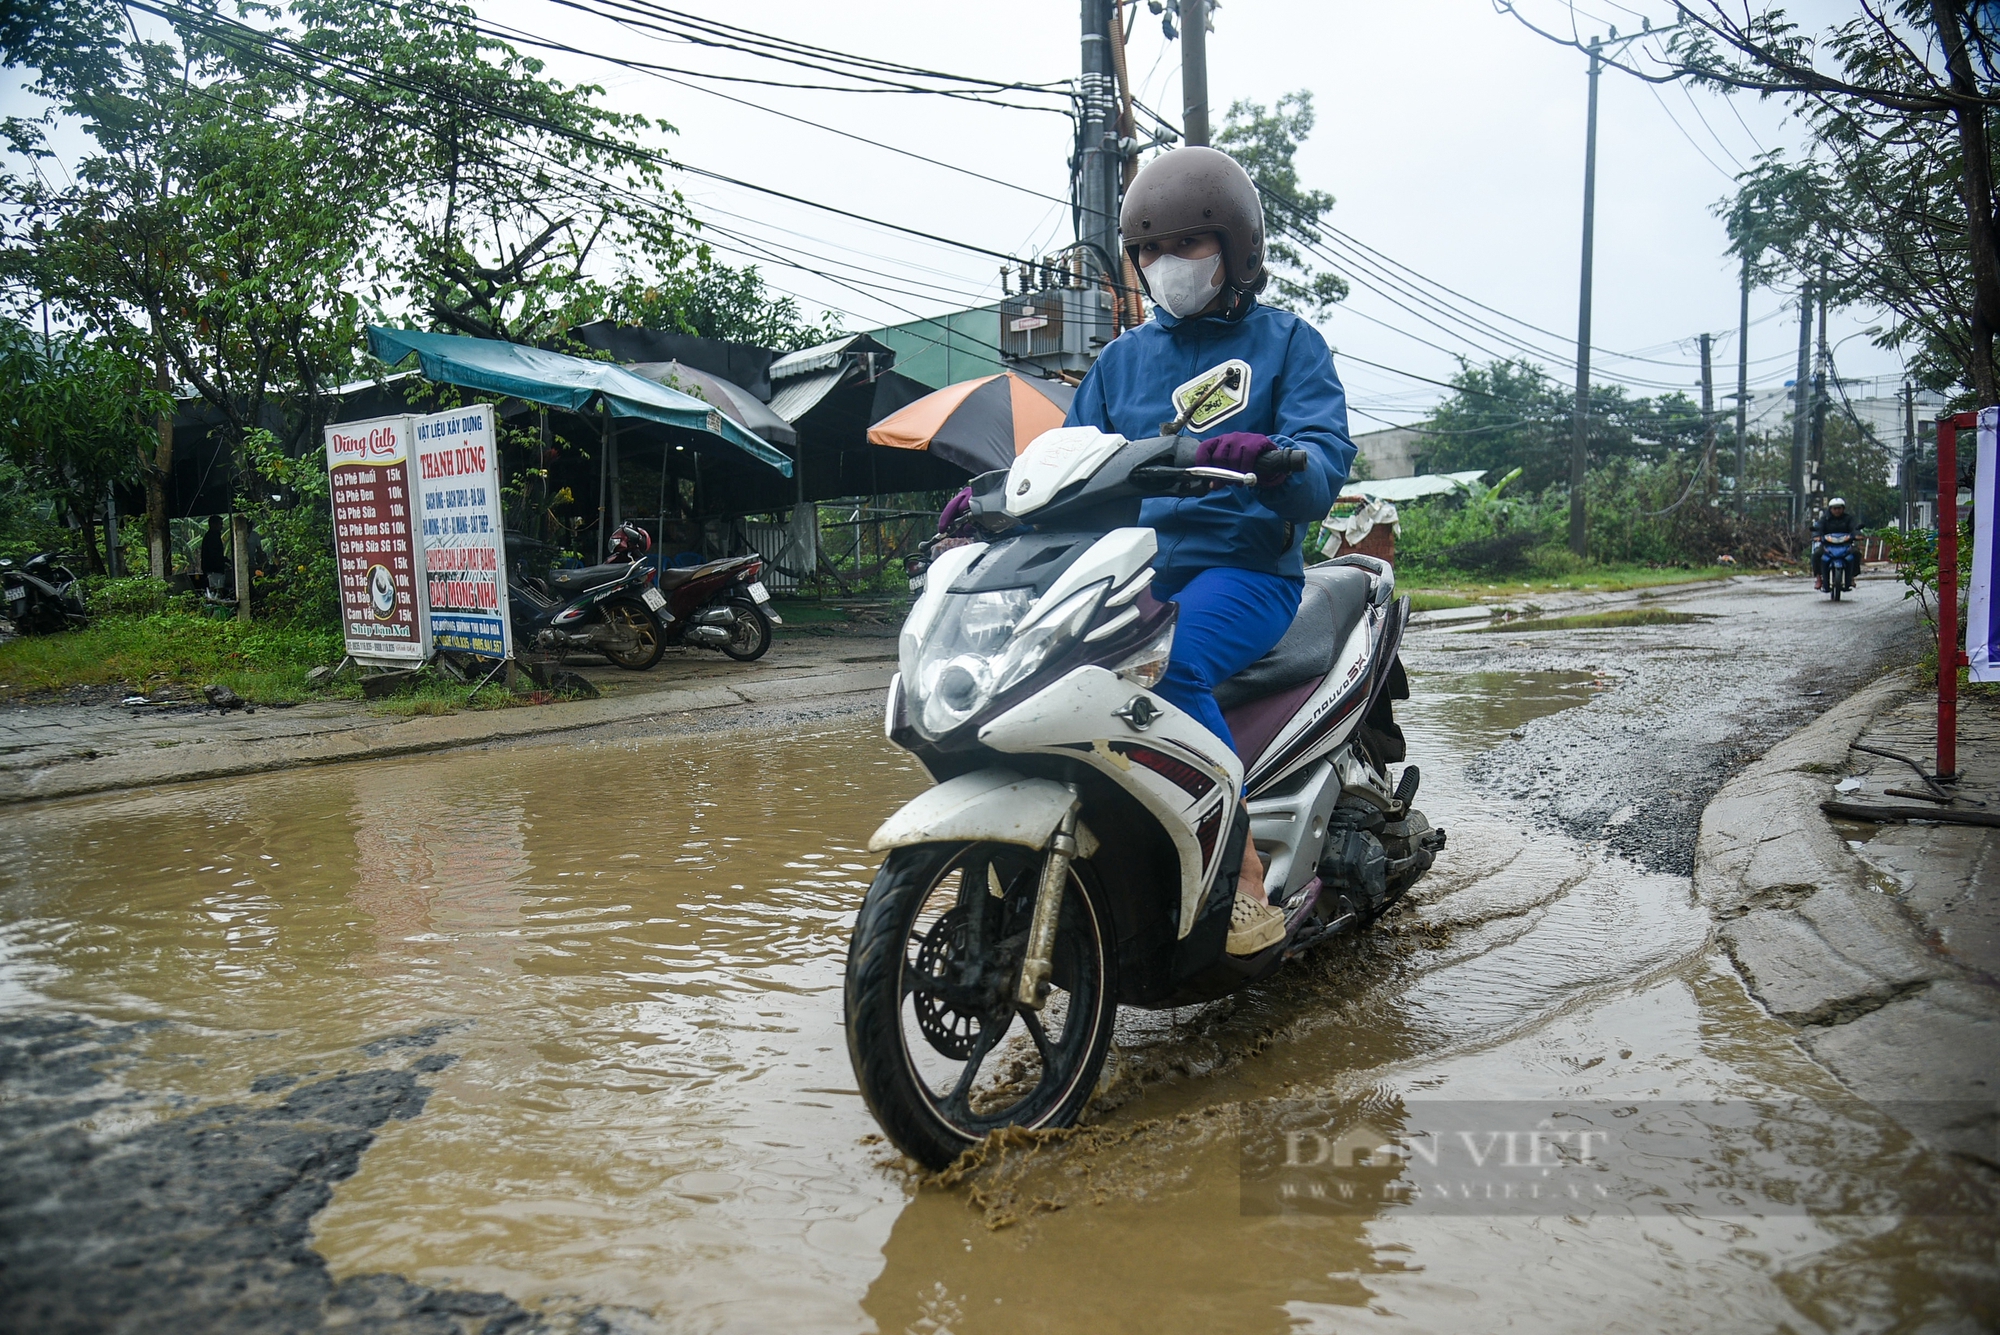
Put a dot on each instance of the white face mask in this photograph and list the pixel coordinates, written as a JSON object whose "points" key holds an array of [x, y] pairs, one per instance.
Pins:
{"points": [[1183, 286]]}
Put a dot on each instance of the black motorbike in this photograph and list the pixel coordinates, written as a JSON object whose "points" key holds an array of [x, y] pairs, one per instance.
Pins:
{"points": [[613, 610], [43, 596]]}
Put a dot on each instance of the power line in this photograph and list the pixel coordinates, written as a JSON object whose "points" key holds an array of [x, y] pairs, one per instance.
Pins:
{"points": [[783, 52], [1702, 116], [713, 32], [267, 40], [1685, 135], [1376, 279], [508, 33]]}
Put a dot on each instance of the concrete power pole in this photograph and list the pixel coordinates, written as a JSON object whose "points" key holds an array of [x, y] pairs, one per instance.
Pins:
{"points": [[1909, 468], [1743, 395], [1707, 399], [1802, 405], [1194, 70], [1580, 424], [1097, 226], [1823, 368]]}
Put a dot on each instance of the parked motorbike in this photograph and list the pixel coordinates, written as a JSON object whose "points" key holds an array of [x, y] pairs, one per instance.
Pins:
{"points": [[612, 610], [43, 596], [1839, 562], [721, 605], [1081, 847]]}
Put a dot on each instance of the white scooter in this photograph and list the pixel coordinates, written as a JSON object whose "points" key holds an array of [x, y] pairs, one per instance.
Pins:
{"points": [[1081, 847]]}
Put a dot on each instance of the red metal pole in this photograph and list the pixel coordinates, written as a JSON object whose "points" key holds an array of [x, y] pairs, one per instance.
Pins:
{"points": [[1948, 652]]}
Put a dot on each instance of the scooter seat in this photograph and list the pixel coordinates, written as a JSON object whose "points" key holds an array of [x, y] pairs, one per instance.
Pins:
{"points": [[675, 576], [1334, 601], [572, 582]]}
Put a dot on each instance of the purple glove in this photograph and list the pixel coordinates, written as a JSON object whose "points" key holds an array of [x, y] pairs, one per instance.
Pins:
{"points": [[955, 509], [1239, 450]]}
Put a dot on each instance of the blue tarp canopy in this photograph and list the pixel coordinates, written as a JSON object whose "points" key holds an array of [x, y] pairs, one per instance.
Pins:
{"points": [[562, 381]]}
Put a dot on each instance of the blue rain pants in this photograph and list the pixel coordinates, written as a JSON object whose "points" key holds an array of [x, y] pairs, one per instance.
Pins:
{"points": [[1229, 619]]}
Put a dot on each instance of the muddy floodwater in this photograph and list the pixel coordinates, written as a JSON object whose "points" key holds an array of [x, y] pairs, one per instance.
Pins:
{"points": [[634, 950]]}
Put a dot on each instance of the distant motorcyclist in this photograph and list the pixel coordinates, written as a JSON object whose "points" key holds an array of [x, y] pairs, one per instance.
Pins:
{"points": [[1834, 521]]}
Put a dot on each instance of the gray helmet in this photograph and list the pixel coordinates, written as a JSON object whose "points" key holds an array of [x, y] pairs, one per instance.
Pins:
{"points": [[1185, 191]]}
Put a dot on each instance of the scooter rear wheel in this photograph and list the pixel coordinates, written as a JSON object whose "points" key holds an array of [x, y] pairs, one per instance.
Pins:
{"points": [[943, 1052], [750, 636]]}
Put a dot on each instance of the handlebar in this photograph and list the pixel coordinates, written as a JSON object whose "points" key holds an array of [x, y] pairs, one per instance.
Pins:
{"points": [[1278, 462], [1229, 475], [1198, 478]]}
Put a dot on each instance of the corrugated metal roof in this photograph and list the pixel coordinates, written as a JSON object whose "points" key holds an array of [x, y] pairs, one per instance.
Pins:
{"points": [[808, 360], [796, 395], [1414, 488]]}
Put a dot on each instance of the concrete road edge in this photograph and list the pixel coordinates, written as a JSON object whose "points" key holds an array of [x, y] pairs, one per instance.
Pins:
{"points": [[1827, 951]]}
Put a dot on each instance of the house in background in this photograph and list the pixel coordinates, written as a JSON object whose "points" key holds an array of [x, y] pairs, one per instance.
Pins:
{"points": [[1392, 452]]}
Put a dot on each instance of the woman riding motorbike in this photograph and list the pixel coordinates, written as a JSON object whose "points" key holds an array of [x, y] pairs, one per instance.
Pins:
{"points": [[1259, 379]]}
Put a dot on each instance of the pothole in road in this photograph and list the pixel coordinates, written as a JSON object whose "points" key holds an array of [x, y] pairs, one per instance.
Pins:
{"points": [[1470, 710]]}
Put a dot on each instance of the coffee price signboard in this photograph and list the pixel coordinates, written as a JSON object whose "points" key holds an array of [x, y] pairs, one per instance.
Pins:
{"points": [[458, 496], [383, 611]]}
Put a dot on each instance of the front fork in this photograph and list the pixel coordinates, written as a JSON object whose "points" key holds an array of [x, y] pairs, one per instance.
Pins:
{"points": [[1033, 990]]}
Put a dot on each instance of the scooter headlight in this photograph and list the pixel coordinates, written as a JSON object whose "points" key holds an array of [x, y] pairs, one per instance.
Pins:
{"points": [[971, 652]]}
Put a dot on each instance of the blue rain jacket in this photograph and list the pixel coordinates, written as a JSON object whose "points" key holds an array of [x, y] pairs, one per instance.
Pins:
{"points": [[1294, 398]]}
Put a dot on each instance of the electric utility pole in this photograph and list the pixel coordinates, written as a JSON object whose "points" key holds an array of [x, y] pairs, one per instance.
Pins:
{"points": [[1707, 399], [1802, 404], [1909, 468], [1579, 444], [1194, 70], [1743, 394], [1821, 373], [1097, 225], [1580, 425]]}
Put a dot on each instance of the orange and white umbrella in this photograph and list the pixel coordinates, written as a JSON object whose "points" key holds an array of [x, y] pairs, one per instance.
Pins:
{"points": [[979, 425]]}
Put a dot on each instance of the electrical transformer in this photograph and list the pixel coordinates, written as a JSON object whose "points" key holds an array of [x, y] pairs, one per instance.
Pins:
{"points": [[1056, 328]]}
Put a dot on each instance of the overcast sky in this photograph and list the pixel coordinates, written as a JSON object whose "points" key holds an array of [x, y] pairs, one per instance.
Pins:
{"points": [[1451, 136]]}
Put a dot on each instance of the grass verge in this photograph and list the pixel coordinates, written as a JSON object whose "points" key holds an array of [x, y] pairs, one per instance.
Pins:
{"points": [[1423, 600], [443, 696], [264, 664], [1471, 589]]}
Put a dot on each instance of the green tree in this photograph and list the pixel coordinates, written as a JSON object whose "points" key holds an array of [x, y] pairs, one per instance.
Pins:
{"points": [[1510, 414], [74, 419], [515, 193], [208, 232], [1901, 179], [1265, 141], [714, 300]]}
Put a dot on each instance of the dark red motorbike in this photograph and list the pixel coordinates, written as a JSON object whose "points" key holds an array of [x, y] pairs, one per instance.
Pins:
{"points": [[721, 605], [718, 604]]}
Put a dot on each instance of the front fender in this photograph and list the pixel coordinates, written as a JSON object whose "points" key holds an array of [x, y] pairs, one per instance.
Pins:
{"points": [[993, 805]]}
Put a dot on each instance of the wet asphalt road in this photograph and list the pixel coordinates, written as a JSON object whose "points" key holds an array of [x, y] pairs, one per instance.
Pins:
{"points": [[204, 1221], [1682, 707]]}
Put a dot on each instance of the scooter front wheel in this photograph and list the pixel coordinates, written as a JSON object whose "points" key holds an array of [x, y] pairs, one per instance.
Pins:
{"points": [[943, 1051]]}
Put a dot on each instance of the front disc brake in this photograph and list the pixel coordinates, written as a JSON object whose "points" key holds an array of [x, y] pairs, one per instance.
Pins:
{"points": [[937, 997]]}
